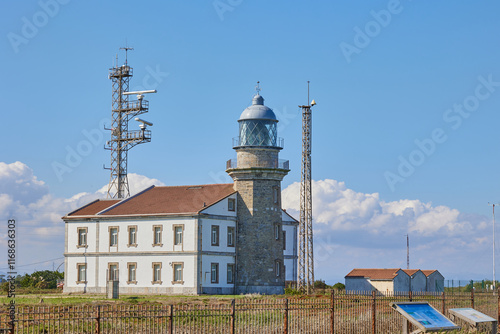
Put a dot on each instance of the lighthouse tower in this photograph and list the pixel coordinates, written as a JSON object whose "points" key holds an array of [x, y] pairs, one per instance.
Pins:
{"points": [[257, 174]]}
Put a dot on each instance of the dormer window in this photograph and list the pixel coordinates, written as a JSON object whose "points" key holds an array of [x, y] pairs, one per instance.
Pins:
{"points": [[231, 204]]}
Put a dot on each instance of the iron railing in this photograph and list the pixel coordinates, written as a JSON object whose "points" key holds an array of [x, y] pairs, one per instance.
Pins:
{"points": [[360, 312]]}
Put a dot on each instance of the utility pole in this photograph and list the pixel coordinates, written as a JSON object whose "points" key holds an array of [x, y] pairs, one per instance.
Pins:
{"points": [[305, 279], [407, 251], [494, 278]]}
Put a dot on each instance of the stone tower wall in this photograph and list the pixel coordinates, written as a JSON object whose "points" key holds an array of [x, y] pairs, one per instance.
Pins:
{"points": [[259, 211]]}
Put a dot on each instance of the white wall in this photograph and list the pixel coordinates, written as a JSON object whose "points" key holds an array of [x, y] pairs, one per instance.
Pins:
{"points": [[206, 226], [221, 208]]}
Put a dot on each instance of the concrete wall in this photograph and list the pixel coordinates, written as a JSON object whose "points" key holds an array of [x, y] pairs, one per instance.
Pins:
{"points": [[401, 282], [357, 284], [383, 286], [418, 282], [435, 282]]}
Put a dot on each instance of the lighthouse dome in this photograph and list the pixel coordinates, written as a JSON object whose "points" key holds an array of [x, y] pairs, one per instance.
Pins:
{"points": [[258, 125], [258, 111]]}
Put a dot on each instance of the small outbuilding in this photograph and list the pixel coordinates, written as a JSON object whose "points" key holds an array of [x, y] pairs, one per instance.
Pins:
{"points": [[382, 280], [418, 280], [435, 281], [394, 280]]}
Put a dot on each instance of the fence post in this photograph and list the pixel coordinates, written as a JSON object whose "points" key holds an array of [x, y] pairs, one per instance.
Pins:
{"points": [[285, 318], [443, 303], [332, 312], [374, 309], [472, 298], [98, 319], [410, 296], [498, 315], [170, 319], [233, 307]]}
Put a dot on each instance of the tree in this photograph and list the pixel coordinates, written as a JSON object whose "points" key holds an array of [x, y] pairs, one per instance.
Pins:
{"points": [[339, 286]]}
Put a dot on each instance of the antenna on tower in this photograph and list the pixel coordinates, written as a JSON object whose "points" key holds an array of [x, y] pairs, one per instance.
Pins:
{"points": [[494, 278], [305, 277], [407, 251], [122, 140], [127, 49], [257, 88]]}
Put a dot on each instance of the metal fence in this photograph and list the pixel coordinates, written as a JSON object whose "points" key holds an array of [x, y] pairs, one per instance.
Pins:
{"points": [[361, 312]]}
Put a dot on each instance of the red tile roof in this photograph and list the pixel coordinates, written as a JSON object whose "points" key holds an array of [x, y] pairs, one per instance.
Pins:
{"points": [[93, 208], [161, 200], [428, 272], [374, 274], [410, 272]]}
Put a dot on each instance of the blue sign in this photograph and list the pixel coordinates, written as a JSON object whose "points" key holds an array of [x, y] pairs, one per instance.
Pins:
{"points": [[425, 315]]}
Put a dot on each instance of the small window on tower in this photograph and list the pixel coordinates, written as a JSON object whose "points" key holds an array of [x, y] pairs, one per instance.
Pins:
{"points": [[277, 231]]}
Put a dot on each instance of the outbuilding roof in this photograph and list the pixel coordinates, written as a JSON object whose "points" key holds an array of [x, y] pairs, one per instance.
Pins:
{"points": [[386, 274], [374, 274], [158, 201]]}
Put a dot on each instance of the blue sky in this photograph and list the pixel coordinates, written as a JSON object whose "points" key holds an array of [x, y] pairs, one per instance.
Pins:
{"points": [[386, 75]]}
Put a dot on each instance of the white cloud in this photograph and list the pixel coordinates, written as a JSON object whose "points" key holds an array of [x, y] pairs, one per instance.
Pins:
{"points": [[370, 232]]}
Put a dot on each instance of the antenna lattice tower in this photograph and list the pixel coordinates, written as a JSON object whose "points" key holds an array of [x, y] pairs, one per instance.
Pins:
{"points": [[122, 139], [305, 279]]}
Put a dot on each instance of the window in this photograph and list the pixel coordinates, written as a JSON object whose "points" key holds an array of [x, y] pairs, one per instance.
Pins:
{"points": [[277, 231], [214, 277], [113, 271], [178, 234], [284, 240], [215, 235], [231, 204], [178, 267], [113, 236], [132, 268], [230, 236], [156, 273], [157, 229], [82, 237], [276, 197], [230, 273], [132, 236], [277, 265], [81, 273]]}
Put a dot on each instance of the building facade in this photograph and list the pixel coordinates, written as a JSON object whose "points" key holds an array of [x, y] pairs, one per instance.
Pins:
{"points": [[214, 239], [392, 280]]}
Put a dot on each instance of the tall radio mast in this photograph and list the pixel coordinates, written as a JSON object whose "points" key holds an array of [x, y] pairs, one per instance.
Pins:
{"points": [[122, 139], [305, 279]]}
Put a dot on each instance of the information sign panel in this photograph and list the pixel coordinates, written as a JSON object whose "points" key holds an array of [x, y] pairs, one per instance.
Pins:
{"points": [[471, 315], [424, 316]]}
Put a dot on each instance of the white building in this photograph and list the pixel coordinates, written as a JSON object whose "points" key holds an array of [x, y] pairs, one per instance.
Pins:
{"points": [[215, 239], [393, 280]]}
